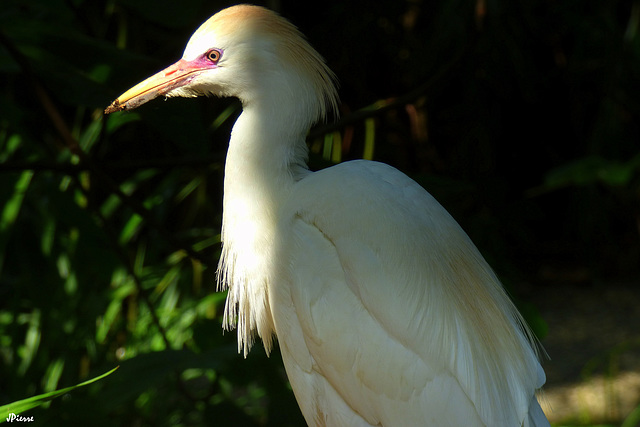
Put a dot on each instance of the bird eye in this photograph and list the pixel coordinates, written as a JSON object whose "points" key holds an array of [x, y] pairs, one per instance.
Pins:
{"points": [[214, 55]]}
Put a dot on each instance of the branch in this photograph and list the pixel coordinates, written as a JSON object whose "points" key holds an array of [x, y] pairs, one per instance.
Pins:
{"points": [[73, 169]]}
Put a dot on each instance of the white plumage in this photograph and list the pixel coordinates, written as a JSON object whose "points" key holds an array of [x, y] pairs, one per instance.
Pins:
{"points": [[385, 312]]}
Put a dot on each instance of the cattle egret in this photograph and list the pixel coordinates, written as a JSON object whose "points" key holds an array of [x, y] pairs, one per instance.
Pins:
{"points": [[385, 312]]}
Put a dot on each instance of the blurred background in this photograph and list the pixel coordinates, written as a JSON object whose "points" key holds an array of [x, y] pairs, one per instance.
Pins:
{"points": [[522, 117]]}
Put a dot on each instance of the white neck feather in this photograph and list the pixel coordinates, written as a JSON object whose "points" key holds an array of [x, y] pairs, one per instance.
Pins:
{"points": [[266, 156]]}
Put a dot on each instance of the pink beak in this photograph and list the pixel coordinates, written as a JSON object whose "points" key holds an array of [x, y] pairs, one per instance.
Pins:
{"points": [[177, 75]]}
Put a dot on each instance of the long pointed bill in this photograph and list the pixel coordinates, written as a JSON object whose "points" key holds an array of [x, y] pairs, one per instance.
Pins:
{"points": [[177, 75]]}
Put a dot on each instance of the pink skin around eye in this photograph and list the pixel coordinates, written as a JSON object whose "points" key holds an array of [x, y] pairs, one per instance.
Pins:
{"points": [[200, 62]]}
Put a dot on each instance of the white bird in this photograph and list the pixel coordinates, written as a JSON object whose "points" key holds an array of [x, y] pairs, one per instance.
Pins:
{"points": [[385, 312]]}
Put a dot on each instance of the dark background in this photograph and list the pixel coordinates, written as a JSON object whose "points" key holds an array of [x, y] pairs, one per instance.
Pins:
{"points": [[522, 117]]}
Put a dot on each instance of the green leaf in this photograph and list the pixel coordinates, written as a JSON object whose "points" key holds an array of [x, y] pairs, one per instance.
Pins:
{"points": [[20, 406], [370, 138], [593, 169], [11, 210], [633, 419]]}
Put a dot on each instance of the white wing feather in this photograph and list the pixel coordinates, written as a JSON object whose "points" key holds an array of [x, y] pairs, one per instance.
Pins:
{"points": [[401, 316]]}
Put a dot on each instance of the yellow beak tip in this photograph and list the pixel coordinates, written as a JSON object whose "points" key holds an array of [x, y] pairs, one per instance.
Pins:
{"points": [[115, 106]]}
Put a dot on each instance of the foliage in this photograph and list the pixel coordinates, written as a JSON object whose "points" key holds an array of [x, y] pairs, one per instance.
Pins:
{"points": [[520, 116], [9, 411]]}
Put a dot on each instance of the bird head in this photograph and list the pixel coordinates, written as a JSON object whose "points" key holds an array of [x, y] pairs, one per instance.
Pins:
{"points": [[247, 52]]}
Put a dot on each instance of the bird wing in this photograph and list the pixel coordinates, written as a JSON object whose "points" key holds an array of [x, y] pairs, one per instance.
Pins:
{"points": [[400, 316]]}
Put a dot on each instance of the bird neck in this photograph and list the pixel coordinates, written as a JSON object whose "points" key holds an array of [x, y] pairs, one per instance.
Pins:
{"points": [[266, 156]]}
